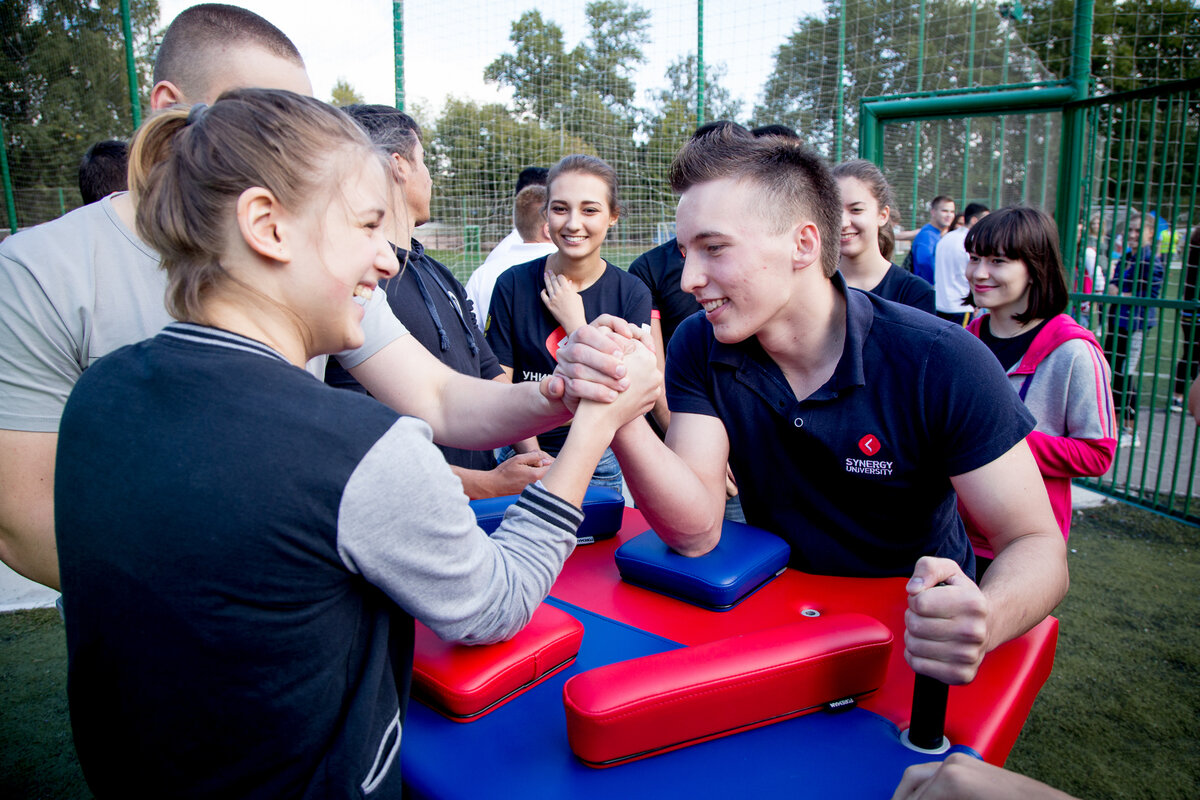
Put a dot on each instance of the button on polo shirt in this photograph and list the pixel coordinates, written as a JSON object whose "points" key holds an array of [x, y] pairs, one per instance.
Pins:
{"points": [[857, 475]]}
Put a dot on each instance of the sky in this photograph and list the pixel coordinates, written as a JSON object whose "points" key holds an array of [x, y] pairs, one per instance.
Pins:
{"points": [[448, 43]]}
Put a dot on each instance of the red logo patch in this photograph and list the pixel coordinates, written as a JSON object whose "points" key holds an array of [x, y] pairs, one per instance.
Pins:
{"points": [[555, 340], [869, 444]]}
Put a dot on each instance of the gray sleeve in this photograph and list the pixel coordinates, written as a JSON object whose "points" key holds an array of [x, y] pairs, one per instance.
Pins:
{"points": [[1074, 397], [405, 525], [380, 327], [40, 358]]}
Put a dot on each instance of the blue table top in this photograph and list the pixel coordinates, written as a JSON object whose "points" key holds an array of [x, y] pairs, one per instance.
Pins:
{"points": [[521, 749]]}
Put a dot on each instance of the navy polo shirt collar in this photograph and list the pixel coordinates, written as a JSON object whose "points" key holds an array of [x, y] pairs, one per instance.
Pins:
{"points": [[748, 356]]}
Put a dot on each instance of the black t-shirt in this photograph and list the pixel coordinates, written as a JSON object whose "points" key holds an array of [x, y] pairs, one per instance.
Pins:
{"points": [[1008, 352], [901, 286], [525, 335], [433, 306], [661, 269]]}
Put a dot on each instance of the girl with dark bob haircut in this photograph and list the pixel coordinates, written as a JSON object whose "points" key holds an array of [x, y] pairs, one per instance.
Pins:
{"points": [[1053, 363], [1025, 234]]}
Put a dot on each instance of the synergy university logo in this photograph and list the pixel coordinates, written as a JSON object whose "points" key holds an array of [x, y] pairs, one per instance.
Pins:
{"points": [[869, 445]]}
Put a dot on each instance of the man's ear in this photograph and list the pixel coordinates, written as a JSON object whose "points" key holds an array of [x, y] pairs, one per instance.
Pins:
{"points": [[401, 167], [262, 225], [806, 245], [164, 95]]}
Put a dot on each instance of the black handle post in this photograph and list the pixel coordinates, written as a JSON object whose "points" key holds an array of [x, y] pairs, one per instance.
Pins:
{"points": [[928, 727]]}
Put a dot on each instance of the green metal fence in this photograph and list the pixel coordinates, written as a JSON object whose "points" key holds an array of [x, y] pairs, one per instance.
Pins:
{"points": [[1142, 157], [1136, 156]]}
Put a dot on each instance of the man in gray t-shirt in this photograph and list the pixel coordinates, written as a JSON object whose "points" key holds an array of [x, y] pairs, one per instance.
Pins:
{"points": [[79, 287]]}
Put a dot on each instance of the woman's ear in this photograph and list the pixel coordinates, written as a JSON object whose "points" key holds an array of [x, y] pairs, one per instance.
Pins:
{"points": [[885, 215], [261, 224]]}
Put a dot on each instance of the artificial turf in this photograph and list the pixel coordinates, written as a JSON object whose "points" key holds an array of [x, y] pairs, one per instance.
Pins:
{"points": [[1118, 718]]}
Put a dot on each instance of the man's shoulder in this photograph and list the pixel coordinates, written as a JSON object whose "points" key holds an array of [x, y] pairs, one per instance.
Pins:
{"points": [[954, 238], [927, 231], [442, 271], [895, 324], [78, 240], [651, 265], [614, 273]]}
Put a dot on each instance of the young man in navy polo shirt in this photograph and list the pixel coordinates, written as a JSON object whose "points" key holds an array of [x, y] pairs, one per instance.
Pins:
{"points": [[852, 424]]}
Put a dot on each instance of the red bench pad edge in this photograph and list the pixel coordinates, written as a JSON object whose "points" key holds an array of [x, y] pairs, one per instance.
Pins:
{"points": [[465, 683], [634, 709]]}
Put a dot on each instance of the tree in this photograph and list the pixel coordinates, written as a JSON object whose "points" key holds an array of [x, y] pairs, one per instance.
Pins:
{"points": [[63, 82], [563, 89], [613, 48], [344, 94], [884, 56], [585, 93], [1134, 43], [539, 72], [673, 119], [476, 153]]}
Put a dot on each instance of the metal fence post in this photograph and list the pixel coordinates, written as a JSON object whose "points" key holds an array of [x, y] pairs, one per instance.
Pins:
{"points": [[699, 63], [9, 201], [398, 49], [1070, 162], [135, 102]]}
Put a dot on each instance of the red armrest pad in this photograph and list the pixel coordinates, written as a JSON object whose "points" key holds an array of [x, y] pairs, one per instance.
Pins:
{"points": [[464, 683], [637, 708]]}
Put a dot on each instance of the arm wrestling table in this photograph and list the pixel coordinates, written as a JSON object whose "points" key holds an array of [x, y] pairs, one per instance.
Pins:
{"points": [[521, 748]]}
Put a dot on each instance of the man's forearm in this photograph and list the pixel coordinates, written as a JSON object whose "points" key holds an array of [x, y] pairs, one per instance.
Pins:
{"points": [[479, 414], [476, 482], [1025, 583], [32, 554], [464, 412], [675, 501]]}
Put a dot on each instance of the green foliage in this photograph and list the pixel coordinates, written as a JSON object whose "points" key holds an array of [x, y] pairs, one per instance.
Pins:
{"points": [[617, 33], [885, 55], [553, 84], [672, 121], [63, 82], [967, 44], [1134, 42], [578, 99], [344, 94], [476, 153], [539, 71]]}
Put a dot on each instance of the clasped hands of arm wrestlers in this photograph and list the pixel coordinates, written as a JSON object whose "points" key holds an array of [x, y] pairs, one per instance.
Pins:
{"points": [[951, 622]]}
